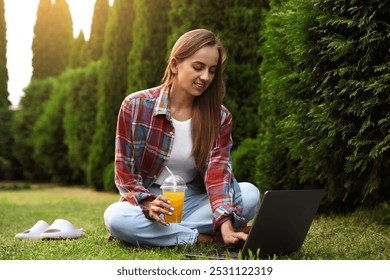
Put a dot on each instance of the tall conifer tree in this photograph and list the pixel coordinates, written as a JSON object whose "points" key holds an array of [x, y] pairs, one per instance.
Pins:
{"points": [[62, 35], [98, 28], [147, 59], [77, 53], [52, 39], [41, 53], [112, 88], [5, 113]]}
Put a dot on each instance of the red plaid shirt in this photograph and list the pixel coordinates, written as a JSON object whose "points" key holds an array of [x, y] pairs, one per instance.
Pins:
{"points": [[144, 140]]}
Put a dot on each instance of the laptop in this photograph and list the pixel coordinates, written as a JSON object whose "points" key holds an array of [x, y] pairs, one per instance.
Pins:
{"points": [[280, 226]]}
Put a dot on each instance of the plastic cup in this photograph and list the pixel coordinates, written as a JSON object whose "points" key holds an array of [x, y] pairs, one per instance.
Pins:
{"points": [[176, 195]]}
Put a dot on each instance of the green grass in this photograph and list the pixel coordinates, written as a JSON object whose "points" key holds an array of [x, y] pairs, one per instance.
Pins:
{"points": [[363, 235]]}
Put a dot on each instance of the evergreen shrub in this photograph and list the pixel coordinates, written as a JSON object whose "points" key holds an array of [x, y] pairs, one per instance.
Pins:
{"points": [[80, 118], [325, 100], [108, 178]]}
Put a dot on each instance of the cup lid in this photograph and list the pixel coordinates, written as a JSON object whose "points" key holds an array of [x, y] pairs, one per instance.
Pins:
{"points": [[169, 182]]}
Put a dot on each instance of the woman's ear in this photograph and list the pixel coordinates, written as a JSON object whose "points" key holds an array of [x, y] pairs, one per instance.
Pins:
{"points": [[173, 65]]}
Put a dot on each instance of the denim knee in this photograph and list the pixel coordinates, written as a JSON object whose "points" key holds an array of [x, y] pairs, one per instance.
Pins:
{"points": [[250, 199], [116, 217]]}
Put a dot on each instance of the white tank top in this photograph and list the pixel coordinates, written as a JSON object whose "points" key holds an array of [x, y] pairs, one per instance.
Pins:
{"points": [[180, 161]]}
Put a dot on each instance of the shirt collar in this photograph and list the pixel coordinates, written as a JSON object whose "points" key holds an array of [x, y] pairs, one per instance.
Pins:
{"points": [[162, 103]]}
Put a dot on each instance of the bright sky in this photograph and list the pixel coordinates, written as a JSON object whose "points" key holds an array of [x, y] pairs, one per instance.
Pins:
{"points": [[20, 16]]}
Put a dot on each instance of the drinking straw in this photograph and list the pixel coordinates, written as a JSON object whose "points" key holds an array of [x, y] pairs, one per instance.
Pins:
{"points": [[173, 176]]}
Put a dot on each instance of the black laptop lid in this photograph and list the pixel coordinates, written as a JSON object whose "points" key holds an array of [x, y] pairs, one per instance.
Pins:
{"points": [[283, 221]]}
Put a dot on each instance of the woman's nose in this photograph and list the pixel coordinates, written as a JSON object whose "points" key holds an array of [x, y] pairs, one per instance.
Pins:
{"points": [[205, 76]]}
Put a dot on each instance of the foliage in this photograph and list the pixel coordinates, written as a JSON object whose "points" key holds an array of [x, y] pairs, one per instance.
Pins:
{"points": [[79, 117], [53, 37], [62, 134], [98, 27], [40, 47], [112, 86], [281, 34], [49, 149], [108, 178], [77, 55], [325, 100], [6, 157], [30, 108], [147, 56], [244, 160], [242, 82], [6, 141]]}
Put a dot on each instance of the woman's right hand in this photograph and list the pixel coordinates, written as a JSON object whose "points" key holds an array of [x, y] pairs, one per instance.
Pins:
{"points": [[231, 236], [161, 205]]}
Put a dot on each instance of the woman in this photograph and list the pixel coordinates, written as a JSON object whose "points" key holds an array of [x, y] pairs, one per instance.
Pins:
{"points": [[183, 125]]}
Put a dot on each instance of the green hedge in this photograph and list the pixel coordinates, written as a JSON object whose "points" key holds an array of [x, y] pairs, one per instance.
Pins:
{"points": [[31, 107], [325, 102], [49, 149], [79, 118]]}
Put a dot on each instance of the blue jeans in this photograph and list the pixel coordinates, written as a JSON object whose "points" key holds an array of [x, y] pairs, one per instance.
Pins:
{"points": [[127, 222]]}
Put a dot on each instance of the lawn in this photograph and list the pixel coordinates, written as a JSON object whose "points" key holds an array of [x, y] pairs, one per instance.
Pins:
{"points": [[363, 235]]}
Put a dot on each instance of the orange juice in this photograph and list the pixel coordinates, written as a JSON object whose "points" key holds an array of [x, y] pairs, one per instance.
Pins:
{"points": [[177, 202]]}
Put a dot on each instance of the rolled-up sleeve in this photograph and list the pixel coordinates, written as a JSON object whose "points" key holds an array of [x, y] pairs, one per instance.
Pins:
{"points": [[129, 184], [225, 197]]}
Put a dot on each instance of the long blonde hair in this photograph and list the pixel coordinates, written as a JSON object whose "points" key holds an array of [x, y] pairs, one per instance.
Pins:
{"points": [[206, 111]]}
